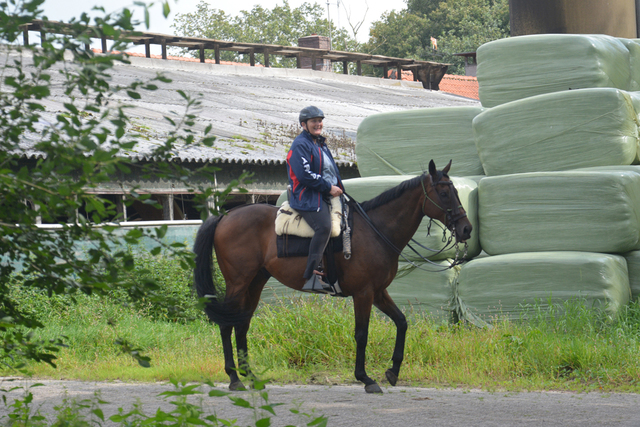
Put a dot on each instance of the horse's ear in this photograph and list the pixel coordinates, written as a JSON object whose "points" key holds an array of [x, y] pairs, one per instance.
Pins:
{"points": [[446, 168], [432, 169]]}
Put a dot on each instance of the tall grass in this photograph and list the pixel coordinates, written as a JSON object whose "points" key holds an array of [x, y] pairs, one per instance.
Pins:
{"points": [[309, 339]]}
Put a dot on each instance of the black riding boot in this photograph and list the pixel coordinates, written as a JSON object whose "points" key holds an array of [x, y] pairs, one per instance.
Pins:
{"points": [[320, 221]]}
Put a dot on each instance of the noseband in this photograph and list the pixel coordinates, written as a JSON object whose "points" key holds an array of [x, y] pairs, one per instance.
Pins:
{"points": [[452, 215]]}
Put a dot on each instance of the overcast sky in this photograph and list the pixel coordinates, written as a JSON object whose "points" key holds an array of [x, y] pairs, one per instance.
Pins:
{"points": [[63, 10]]}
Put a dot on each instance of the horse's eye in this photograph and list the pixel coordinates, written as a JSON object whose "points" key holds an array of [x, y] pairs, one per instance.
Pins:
{"points": [[444, 194]]}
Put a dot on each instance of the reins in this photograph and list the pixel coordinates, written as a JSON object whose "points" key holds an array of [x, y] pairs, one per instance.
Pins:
{"points": [[452, 217]]}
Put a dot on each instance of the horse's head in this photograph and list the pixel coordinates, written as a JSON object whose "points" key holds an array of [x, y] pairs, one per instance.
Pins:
{"points": [[442, 203]]}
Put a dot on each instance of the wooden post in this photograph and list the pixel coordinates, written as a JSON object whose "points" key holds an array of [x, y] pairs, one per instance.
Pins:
{"points": [[121, 208], [211, 204], [147, 48], [25, 36], [313, 63], [345, 67], [399, 72], [164, 49], [266, 59], [252, 58], [87, 47], [216, 50], [359, 67], [298, 61], [104, 44], [202, 59], [43, 37], [167, 207], [385, 71]]}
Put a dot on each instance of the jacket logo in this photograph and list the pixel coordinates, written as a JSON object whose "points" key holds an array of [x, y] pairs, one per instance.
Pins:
{"points": [[307, 169]]}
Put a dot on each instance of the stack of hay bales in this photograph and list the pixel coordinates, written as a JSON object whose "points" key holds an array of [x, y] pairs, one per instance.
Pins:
{"points": [[558, 212], [560, 207], [394, 147]]}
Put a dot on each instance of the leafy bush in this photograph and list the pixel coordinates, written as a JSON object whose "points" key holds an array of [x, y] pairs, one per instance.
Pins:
{"points": [[173, 297]]}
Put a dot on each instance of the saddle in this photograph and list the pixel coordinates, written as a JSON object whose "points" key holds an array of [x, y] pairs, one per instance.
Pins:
{"points": [[294, 236], [291, 223]]}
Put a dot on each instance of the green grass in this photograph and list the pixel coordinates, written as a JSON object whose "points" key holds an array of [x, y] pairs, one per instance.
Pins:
{"points": [[310, 340]]}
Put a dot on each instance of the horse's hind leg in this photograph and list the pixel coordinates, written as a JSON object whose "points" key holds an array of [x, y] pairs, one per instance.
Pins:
{"points": [[229, 364], [243, 348], [251, 303], [384, 302]]}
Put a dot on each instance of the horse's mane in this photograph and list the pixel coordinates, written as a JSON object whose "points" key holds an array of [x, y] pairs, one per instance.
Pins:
{"points": [[392, 193]]}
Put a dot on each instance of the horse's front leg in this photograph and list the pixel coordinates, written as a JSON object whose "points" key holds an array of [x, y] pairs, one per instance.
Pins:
{"points": [[362, 309], [384, 302]]}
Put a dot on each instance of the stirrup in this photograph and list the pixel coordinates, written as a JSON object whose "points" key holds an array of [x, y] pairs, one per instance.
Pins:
{"points": [[316, 285]]}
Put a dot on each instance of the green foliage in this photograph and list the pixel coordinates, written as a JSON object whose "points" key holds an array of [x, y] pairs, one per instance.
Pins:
{"points": [[72, 152], [422, 7], [173, 297], [561, 348], [281, 25], [88, 412], [458, 25]]}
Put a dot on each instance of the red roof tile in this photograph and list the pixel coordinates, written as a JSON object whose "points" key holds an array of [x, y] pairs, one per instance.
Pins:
{"points": [[466, 86]]}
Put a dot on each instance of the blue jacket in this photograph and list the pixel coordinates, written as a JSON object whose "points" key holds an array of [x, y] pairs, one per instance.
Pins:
{"points": [[304, 166]]}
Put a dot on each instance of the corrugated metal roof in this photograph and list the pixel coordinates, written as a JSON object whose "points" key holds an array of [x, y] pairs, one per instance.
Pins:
{"points": [[253, 111]]}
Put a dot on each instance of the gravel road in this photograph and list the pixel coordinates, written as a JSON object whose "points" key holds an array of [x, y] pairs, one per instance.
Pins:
{"points": [[351, 406]]}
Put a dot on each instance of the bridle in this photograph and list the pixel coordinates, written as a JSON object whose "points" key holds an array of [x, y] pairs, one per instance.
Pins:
{"points": [[452, 215]]}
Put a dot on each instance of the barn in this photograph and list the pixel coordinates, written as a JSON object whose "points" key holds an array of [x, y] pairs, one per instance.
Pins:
{"points": [[253, 113]]}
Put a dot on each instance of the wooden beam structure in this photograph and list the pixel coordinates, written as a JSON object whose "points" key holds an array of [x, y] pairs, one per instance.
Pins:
{"points": [[434, 70]]}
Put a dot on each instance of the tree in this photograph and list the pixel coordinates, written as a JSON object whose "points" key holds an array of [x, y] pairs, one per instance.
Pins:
{"points": [[281, 26], [398, 34], [464, 25], [78, 148], [422, 7], [457, 25]]}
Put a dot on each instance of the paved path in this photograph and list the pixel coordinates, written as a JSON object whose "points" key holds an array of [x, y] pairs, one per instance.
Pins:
{"points": [[351, 406]]}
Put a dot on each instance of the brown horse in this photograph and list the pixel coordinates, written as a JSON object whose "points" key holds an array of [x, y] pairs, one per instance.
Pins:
{"points": [[245, 245]]}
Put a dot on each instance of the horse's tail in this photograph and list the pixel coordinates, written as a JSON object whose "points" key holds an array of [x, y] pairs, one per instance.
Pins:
{"points": [[218, 311]]}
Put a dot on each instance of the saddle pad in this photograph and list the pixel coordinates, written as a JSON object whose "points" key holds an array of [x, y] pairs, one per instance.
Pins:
{"points": [[289, 221], [295, 246]]}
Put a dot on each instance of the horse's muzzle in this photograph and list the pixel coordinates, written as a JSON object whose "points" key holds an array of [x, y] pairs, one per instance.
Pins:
{"points": [[463, 231]]}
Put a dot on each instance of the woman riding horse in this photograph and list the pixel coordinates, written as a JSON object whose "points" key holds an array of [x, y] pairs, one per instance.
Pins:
{"points": [[245, 245], [314, 179]]}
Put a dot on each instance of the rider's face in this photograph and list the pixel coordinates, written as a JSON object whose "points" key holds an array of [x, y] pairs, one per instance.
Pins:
{"points": [[313, 126]]}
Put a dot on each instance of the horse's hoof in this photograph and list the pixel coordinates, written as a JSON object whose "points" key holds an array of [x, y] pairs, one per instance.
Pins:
{"points": [[237, 386], [373, 388], [391, 377]]}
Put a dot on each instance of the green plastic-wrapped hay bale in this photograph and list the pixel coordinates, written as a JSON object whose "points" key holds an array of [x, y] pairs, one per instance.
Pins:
{"points": [[586, 210], [520, 67], [403, 142], [509, 286], [427, 288], [362, 189], [558, 131], [633, 264], [633, 46]]}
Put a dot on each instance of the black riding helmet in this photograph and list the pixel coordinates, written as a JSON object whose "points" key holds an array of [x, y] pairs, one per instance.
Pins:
{"points": [[310, 112]]}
